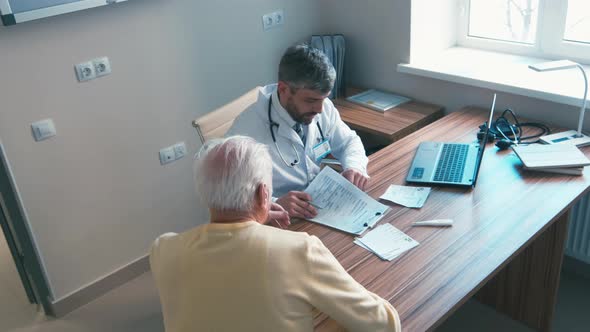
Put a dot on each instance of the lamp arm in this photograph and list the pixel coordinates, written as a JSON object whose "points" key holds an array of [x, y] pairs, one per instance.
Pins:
{"points": [[583, 109]]}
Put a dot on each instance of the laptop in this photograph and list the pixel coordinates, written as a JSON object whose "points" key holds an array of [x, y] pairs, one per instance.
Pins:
{"points": [[449, 163]]}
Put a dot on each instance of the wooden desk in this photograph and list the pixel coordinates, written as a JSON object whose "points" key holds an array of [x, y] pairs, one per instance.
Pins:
{"points": [[505, 247], [391, 125]]}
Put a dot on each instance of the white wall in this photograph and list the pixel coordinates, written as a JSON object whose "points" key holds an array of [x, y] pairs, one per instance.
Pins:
{"points": [[378, 35], [95, 195], [427, 18]]}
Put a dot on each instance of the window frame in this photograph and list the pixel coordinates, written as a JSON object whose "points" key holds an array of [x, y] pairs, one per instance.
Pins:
{"points": [[548, 41]]}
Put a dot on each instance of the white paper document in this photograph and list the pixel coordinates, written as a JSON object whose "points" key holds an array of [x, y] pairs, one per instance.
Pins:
{"points": [[413, 197], [341, 205], [386, 241]]}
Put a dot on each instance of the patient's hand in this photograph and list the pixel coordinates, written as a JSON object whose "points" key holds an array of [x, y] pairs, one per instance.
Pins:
{"points": [[278, 217]]}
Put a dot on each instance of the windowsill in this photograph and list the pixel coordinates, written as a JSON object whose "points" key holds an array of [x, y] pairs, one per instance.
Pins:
{"points": [[501, 72]]}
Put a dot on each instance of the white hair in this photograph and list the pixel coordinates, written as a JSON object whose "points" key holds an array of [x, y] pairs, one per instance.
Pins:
{"points": [[228, 171]]}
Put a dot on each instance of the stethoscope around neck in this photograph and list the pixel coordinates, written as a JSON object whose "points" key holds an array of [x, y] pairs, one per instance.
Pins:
{"points": [[274, 139]]}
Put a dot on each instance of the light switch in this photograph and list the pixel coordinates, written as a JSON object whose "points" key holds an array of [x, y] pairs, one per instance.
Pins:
{"points": [[43, 129]]}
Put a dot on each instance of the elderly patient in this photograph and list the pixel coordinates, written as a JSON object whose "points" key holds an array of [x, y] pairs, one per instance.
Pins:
{"points": [[236, 274]]}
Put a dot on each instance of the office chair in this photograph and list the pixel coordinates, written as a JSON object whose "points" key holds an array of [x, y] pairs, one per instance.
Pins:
{"points": [[215, 124]]}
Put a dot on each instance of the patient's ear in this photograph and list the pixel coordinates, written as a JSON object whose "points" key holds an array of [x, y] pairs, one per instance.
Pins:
{"points": [[262, 204], [262, 195]]}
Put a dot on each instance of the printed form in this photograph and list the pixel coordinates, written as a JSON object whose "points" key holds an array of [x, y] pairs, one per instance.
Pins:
{"points": [[413, 197], [341, 205], [387, 242]]}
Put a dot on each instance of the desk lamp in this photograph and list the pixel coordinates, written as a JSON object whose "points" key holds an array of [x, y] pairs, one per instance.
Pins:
{"points": [[570, 136]]}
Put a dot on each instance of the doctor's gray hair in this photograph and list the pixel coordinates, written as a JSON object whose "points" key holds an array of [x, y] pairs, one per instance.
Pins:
{"points": [[228, 171], [303, 66]]}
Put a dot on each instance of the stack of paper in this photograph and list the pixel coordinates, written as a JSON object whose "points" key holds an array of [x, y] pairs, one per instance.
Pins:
{"points": [[558, 170], [556, 158], [386, 241]]}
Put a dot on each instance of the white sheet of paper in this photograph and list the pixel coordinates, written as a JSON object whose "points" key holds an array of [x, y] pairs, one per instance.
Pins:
{"points": [[386, 241], [342, 205], [413, 197]]}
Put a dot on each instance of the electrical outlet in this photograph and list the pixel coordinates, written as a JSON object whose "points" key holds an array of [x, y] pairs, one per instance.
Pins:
{"points": [[267, 21], [85, 71], [278, 17], [167, 155], [102, 66], [273, 19], [179, 150]]}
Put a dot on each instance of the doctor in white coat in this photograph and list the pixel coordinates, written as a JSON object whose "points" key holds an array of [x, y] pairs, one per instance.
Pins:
{"points": [[301, 126]]}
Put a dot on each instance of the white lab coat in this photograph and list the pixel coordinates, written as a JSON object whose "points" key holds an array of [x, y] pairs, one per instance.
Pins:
{"points": [[345, 144]]}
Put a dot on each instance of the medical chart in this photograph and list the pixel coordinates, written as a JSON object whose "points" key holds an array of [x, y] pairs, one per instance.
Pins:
{"points": [[341, 205]]}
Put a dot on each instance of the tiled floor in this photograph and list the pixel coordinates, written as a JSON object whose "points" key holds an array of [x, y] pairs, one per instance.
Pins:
{"points": [[135, 307]]}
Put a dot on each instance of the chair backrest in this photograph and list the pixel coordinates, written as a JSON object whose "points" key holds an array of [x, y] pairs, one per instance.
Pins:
{"points": [[215, 124]]}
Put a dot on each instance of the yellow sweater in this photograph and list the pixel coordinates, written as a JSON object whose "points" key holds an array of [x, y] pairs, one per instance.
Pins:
{"points": [[250, 277]]}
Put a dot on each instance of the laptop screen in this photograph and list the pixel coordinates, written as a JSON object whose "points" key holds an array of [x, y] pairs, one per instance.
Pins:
{"points": [[484, 141]]}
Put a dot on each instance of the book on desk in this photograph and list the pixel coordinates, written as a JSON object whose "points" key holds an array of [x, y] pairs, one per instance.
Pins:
{"points": [[378, 100], [557, 170], [554, 158]]}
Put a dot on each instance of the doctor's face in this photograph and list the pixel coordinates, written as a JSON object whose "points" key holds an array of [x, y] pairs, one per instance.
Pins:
{"points": [[302, 104]]}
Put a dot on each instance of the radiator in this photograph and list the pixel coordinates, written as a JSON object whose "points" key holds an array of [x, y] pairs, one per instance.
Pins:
{"points": [[578, 238]]}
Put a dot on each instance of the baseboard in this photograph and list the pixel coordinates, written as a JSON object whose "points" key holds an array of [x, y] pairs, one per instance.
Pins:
{"points": [[101, 286], [576, 266]]}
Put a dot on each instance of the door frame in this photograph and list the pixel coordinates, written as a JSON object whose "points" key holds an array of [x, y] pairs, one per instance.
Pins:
{"points": [[20, 240], [16, 253]]}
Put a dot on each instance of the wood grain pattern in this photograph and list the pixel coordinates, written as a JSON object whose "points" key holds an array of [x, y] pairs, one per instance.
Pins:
{"points": [[507, 211], [391, 125]]}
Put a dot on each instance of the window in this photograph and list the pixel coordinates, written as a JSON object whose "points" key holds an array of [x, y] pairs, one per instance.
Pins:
{"points": [[544, 28], [577, 23]]}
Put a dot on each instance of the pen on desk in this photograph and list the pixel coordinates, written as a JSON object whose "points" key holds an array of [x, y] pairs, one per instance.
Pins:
{"points": [[436, 223]]}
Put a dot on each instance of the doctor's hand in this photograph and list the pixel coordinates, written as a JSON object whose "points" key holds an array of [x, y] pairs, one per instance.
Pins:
{"points": [[356, 177], [297, 204], [278, 217]]}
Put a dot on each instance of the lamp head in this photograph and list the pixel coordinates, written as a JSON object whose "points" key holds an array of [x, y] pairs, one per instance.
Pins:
{"points": [[571, 136], [553, 65]]}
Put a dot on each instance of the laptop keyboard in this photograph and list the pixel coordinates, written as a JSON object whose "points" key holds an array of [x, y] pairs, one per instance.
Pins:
{"points": [[451, 163]]}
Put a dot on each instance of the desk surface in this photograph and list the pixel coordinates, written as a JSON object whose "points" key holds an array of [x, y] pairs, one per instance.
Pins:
{"points": [[494, 222], [391, 125]]}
